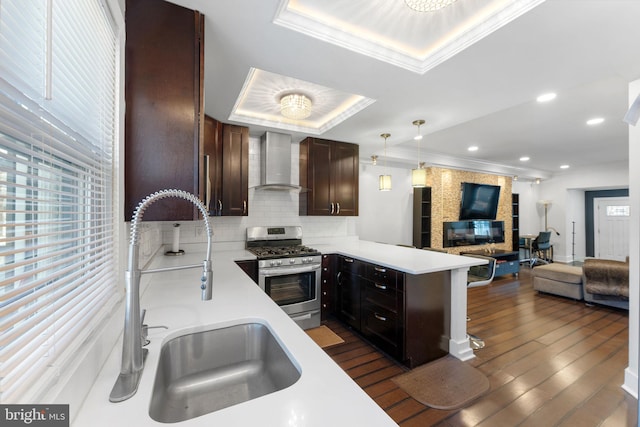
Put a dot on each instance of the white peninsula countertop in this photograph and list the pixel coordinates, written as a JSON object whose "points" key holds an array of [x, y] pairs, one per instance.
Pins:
{"points": [[324, 395], [401, 258]]}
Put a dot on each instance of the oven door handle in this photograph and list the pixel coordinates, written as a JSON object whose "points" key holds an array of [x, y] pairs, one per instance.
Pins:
{"points": [[284, 271]]}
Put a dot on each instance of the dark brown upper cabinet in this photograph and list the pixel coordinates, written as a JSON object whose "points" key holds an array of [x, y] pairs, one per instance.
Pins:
{"points": [[329, 172], [226, 159], [164, 106]]}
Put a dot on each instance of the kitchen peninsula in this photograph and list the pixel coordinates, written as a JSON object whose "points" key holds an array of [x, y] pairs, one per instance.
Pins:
{"points": [[423, 309], [323, 395]]}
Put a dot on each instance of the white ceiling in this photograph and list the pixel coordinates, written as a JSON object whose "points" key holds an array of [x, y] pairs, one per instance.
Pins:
{"points": [[472, 87]]}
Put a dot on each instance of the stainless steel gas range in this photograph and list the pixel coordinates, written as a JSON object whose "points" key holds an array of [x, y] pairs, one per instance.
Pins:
{"points": [[288, 271]]}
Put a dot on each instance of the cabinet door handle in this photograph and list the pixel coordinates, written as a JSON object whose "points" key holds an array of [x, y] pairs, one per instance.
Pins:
{"points": [[244, 206], [381, 318], [219, 207], [348, 260], [337, 208], [338, 277], [331, 209], [380, 269], [379, 286], [207, 168]]}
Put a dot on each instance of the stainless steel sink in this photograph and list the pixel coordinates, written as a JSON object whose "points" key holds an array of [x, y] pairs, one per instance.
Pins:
{"points": [[203, 372]]}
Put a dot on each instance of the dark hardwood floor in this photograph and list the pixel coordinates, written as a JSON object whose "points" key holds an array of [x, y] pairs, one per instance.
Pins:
{"points": [[551, 361]]}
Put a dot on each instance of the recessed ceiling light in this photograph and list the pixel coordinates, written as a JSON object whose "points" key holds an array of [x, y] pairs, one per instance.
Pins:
{"points": [[524, 159], [473, 148], [546, 97], [595, 121], [564, 167]]}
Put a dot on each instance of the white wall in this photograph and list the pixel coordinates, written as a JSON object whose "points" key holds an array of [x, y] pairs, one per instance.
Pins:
{"points": [[385, 216], [631, 373], [566, 192]]}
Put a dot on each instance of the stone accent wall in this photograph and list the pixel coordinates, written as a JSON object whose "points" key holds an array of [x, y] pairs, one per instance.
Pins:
{"points": [[445, 202]]}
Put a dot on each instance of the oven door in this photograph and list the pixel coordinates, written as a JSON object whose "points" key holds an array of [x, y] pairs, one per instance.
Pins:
{"points": [[295, 290]]}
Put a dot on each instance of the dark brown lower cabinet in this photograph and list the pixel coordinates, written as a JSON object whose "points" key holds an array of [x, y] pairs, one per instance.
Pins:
{"points": [[250, 267], [404, 315], [382, 319], [327, 287], [348, 290], [427, 310]]}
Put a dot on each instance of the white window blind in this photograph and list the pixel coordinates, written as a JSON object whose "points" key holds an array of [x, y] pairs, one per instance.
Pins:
{"points": [[58, 92]]}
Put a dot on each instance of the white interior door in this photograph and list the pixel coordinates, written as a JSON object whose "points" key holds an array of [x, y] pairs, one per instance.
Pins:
{"points": [[611, 227]]}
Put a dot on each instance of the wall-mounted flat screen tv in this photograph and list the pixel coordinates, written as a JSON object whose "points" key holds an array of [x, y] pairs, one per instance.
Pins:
{"points": [[479, 201]]}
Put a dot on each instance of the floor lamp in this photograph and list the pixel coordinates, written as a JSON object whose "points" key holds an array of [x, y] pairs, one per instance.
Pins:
{"points": [[547, 204]]}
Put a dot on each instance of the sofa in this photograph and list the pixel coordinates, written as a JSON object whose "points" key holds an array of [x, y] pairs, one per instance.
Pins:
{"points": [[606, 282]]}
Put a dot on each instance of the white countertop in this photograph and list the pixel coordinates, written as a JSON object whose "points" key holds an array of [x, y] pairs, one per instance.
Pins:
{"points": [[401, 258], [323, 396]]}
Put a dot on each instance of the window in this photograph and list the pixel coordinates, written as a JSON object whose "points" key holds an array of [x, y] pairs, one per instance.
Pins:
{"points": [[618, 210], [58, 93]]}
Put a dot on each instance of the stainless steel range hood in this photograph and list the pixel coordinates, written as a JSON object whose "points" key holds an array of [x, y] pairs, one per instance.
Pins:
{"points": [[275, 163]]}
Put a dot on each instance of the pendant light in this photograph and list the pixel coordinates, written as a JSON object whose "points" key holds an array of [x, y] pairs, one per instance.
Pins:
{"points": [[419, 175], [385, 180]]}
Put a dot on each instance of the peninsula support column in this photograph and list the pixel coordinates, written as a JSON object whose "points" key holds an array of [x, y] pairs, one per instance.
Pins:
{"points": [[458, 342]]}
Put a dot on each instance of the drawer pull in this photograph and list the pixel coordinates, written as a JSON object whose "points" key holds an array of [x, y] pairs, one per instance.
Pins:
{"points": [[348, 260], [381, 318], [380, 269], [379, 286]]}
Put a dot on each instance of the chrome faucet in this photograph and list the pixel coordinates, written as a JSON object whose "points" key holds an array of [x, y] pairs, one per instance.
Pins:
{"points": [[133, 355]]}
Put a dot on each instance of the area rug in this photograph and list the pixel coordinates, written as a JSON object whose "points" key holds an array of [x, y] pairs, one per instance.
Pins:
{"points": [[446, 383], [324, 336]]}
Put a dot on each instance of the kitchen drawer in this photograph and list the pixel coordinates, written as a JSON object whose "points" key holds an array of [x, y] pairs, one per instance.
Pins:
{"points": [[380, 294], [348, 265], [381, 327], [381, 275]]}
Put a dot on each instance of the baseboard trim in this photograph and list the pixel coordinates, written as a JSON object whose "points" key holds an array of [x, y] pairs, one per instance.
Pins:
{"points": [[630, 382]]}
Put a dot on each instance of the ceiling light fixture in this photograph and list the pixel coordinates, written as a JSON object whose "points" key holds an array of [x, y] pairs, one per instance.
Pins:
{"points": [[295, 106], [515, 177], [546, 97], [537, 180], [419, 175], [385, 180], [564, 166], [524, 159], [374, 160], [428, 5], [473, 148]]}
